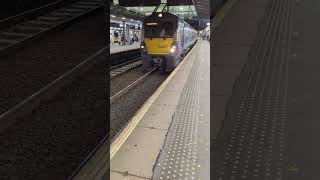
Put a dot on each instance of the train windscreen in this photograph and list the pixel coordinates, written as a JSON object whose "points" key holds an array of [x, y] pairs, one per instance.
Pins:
{"points": [[159, 29]]}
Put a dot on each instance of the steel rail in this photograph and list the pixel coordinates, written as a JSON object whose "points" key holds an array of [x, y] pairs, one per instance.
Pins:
{"points": [[32, 102]]}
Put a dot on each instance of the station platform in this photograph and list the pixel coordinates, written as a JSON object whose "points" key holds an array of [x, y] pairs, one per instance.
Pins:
{"points": [[266, 92], [169, 137], [115, 48]]}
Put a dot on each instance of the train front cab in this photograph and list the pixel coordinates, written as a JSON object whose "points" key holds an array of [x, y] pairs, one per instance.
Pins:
{"points": [[159, 46]]}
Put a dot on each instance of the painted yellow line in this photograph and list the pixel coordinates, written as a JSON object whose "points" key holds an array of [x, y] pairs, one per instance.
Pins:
{"points": [[122, 137], [217, 19]]}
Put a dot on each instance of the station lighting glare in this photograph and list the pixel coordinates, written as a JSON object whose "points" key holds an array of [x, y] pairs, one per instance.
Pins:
{"points": [[112, 15], [181, 8], [160, 15], [131, 19], [173, 49], [141, 9], [208, 24], [123, 18], [142, 47]]}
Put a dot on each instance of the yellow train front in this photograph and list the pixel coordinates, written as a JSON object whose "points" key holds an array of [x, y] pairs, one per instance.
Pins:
{"points": [[165, 40]]}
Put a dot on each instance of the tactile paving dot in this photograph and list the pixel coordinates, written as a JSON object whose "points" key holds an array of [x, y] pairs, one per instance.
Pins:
{"points": [[253, 145], [182, 140]]}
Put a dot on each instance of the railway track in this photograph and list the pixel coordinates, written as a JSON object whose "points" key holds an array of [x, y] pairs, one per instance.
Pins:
{"points": [[96, 164], [29, 104], [21, 29], [132, 85], [33, 67], [124, 67], [128, 100], [60, 117]]}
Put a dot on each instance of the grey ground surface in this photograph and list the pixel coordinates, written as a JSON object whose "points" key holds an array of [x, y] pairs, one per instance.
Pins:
{"points": [[229, 51], [303, 145], [272, 125], [28, 70], [51, 142]]}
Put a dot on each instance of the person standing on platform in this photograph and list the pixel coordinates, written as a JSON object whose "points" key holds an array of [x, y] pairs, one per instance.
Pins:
{"points": [[122, 40], [119, 39]]}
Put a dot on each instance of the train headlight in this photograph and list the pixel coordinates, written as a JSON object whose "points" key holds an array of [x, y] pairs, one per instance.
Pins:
{"points": [[143, 48], [173, 48]]}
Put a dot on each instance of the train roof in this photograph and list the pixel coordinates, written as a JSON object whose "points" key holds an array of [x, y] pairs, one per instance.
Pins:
{"points": [[165, 15]]}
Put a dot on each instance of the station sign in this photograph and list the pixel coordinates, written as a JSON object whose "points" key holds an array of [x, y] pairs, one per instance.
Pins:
{"points": [[151, 23]]}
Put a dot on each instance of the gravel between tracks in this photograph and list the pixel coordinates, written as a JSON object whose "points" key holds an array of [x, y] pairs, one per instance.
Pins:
{"points": [[33, 67], [122, 109], [52, 141], [125, 79]]}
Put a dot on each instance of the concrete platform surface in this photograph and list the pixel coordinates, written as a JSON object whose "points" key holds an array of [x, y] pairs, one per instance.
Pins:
{"points": [[115, 48], [186, 152], [138, 155]]}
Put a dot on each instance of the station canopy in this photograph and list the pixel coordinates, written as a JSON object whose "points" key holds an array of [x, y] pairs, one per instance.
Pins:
{"points": [[119, 12], [195, 12]]}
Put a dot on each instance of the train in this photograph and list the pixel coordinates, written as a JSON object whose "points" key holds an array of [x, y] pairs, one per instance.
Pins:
{"points": [[166, 38]]}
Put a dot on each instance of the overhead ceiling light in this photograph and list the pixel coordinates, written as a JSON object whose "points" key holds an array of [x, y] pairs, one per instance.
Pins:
{"points": [[131, 19], [141, 9], [181, 8], [123, 18], [208, 24], [112, 15]]}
